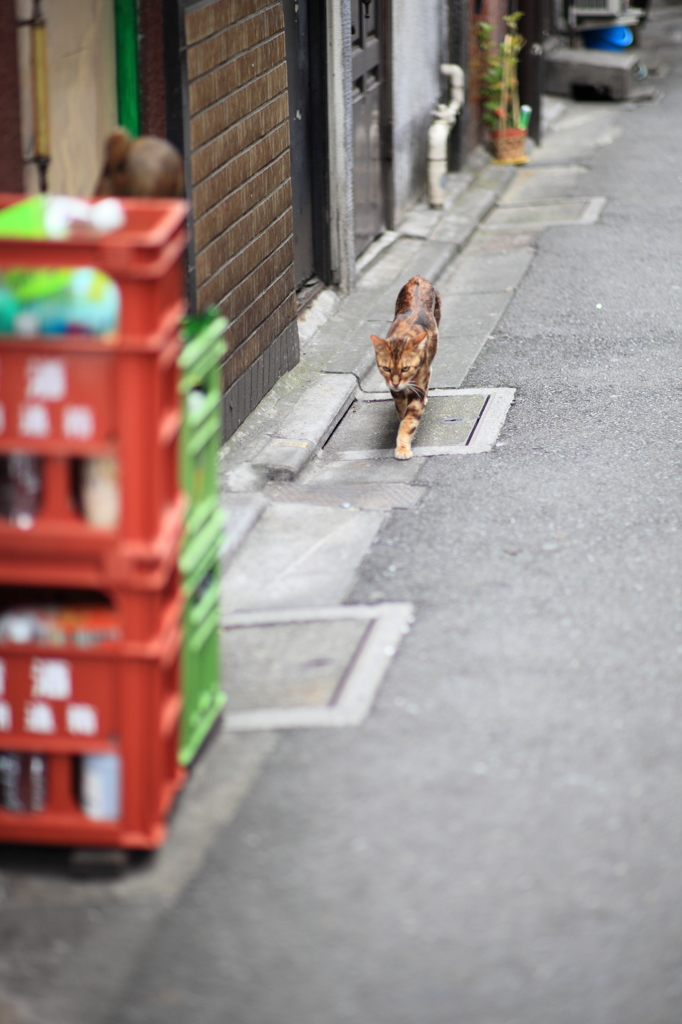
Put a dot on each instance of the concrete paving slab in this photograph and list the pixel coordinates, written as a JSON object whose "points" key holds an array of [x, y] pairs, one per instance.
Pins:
{"points": [[307, 426], [458, 225], [466, 323], [243, 512], [468, 314], [356, 354], [298, 555], [494, 272], [318, 683], [391, 265], [577, 132], [499, 241], [349, 495], [329, 471], [546, 214], [535, 183], [420, 222]]}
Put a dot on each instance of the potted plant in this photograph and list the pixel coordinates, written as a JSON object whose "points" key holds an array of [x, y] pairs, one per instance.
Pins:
{"points": [[502, 113]]}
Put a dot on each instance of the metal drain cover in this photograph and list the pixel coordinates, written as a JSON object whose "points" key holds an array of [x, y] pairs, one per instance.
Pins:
{"points": [[455, 422], [308, 666]]}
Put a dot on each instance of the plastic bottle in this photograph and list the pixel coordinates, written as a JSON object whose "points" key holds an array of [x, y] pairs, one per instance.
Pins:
{"points": [[100, 786]]}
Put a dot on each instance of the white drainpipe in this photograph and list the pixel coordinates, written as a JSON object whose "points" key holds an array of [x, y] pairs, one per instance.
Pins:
{"points": [[444, 118]]}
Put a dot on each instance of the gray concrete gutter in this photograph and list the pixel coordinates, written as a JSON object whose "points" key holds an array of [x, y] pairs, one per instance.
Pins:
{"points": [[296, 418]]}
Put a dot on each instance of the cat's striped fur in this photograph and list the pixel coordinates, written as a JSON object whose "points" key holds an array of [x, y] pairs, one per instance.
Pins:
{"points": [[405, 355]]}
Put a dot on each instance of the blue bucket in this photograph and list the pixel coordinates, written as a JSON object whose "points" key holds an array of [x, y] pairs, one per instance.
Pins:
{"points": [[615, 38]]}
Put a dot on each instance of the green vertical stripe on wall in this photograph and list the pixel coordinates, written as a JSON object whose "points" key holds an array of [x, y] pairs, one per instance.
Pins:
{"points": [[125, 12]]}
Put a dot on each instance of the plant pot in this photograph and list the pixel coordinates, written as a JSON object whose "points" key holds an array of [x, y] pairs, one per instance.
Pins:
{"points": [[509, 145]]}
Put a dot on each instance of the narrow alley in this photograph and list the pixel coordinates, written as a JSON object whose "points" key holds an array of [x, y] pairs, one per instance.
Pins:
{"points": [[447, 788]]}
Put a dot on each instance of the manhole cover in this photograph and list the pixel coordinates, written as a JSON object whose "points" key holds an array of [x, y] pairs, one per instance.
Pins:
{"points": [[454, 422], [308, 667]]}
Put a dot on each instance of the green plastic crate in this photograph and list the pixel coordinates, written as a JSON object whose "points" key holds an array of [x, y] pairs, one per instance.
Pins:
{"points": [[199, 562], [199, 384], [203, 697]]}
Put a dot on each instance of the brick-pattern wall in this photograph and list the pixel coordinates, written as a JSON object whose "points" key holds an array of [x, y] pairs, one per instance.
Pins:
{"points": [[241, 191]]}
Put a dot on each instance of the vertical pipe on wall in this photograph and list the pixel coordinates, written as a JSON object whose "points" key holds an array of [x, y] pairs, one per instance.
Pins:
{"points": [[41, 118], [39, 91], [125, 12]]}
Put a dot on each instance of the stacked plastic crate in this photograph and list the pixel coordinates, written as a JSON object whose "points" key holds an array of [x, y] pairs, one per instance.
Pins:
{"points": [[199, 383], [91, 611]]}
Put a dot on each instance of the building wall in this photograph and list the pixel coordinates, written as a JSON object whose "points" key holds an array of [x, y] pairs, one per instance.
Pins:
{"points": [[237, 152], [83, 106], [419, 37]]}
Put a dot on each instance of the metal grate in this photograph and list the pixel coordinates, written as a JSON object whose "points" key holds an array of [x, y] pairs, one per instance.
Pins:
{"points": [[599, 8]]}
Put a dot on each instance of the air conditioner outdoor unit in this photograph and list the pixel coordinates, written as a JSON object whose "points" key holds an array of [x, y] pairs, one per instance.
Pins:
{"points": [[599, 8]]}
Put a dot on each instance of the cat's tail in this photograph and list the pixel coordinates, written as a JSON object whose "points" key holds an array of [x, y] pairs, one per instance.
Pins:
{"points": [[436, 308]]}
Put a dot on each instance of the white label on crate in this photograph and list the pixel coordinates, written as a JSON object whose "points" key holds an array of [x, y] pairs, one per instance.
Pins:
{"points": [[78, 422], [5, 716], [51, 678], [3, 677], [82, 720], [34, 420], [3, 418], [39, 717], [46, 379]]}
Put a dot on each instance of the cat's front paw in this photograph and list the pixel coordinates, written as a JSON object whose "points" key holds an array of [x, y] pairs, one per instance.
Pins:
{"points": [[403, 453]]}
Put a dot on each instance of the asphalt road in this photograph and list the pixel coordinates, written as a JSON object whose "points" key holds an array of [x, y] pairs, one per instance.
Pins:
{"points": [[500, 842]]}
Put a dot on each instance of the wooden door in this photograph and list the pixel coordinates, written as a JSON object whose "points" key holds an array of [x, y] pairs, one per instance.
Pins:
{"points": [[367, 70]]}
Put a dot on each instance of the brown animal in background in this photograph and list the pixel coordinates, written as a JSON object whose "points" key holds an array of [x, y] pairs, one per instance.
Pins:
{"points": [[146, 166], [404, 357]]}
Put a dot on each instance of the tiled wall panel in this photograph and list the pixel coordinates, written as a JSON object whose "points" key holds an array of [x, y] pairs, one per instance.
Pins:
{"points": [[241, 191]]}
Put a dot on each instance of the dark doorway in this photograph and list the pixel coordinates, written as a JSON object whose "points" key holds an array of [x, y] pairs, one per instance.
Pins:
{"points": [[305, 48], [368, 77]]}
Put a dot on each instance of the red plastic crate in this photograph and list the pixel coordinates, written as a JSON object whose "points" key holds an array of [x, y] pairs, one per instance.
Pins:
{"points": [[127, 702], [79, 399], [113, 396], [145, 258]]}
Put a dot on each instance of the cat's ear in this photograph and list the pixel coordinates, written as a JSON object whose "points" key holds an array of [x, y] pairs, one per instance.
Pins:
{"points": [[418, 341], [378, 343]]}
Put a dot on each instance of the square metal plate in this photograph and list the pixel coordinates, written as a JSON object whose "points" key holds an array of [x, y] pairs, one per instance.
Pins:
{"points": [[455, 422], [308, 667]]}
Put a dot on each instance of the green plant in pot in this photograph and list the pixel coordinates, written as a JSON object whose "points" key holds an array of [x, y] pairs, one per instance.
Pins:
{"points": [[502, 112]]}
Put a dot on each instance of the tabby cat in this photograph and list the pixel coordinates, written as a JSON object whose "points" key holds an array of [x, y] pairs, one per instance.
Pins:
{"points": [[405, 355]]}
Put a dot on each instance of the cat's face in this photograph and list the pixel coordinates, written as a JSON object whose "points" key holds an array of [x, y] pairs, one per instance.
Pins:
{"points": [[399, 363]]}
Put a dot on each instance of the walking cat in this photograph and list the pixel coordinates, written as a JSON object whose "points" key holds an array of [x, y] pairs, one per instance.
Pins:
{"points": [[405, 355]]}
